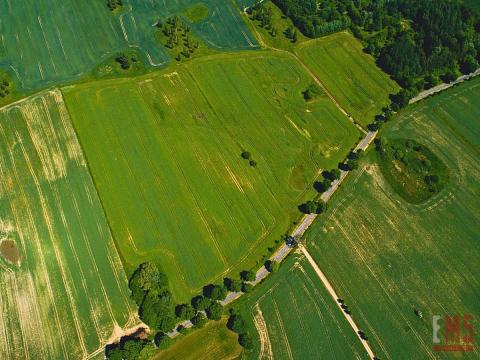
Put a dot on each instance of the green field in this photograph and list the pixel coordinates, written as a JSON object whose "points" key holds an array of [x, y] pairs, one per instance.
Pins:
{"points": [[397, 257], [212, 342], [164, 151], [55, 41], [292, 316], [350, 75], [64, 293]]}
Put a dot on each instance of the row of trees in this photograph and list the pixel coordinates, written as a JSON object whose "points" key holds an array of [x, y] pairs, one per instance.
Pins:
{"points": [[149, 290], [329, 176]]}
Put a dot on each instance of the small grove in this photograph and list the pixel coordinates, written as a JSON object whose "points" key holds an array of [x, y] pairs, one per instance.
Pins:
{"points": [[149, 290], [411, 168]]}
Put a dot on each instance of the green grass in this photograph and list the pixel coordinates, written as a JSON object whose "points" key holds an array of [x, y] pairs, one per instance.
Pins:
{"points": [[60, 41], [214, 341], [165, 150], [350, 75], [292, 315], [69, 291], [196, 13], [387, 257]]}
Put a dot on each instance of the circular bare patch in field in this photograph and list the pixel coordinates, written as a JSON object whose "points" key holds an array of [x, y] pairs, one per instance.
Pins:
{"points": [[9, 251]]}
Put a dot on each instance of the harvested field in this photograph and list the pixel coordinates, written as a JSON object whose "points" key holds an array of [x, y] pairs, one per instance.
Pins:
{"points": [[165, 152], [69, 291]]}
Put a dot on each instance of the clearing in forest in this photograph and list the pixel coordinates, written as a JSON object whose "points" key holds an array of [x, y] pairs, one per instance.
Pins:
{"points": [[165, 152], [351, 75], [402, 263], [63, 288]]}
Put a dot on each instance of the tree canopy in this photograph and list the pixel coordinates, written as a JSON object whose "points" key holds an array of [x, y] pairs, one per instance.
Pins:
{"points": [[150, 291], [414, 41]]}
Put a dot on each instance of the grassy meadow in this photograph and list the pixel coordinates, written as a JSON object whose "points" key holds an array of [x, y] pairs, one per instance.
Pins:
{"points": [[63, 290], [292, 316], [390, 259], [57, 41], [165, 150], [350, 75], [212, 342]]}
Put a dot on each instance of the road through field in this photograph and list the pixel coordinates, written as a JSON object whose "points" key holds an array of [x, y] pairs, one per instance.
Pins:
{"points": [[332, 292], [297, 233]]}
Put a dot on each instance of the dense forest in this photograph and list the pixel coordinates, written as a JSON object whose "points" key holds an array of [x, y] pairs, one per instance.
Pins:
{"points": [[417, 42]]}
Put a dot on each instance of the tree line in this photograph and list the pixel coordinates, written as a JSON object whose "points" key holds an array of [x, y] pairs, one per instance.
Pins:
{"points": [[419, 43]]}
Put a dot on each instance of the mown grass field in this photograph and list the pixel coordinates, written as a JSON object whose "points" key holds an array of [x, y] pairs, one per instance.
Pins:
{"points": [[292, 316], [50, 42], [351, 76], [214, 341], [388, 258], [165, 154], [66, 291]]}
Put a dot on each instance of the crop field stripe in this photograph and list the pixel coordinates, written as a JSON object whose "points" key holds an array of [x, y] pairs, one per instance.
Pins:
{"points": [[299, 320], [55, 30], [350, 75], [35, 237], [42, 150], [442, 279], [227, 225]]}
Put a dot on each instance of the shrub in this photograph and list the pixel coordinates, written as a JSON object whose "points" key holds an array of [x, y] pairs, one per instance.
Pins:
{"points": [[236, 323], [271, 265], [246, 288], [215, 292], [246, 155], [214, 311], [245, 341], [199, 320], [247, 275], [200, 302], [232, 284]]}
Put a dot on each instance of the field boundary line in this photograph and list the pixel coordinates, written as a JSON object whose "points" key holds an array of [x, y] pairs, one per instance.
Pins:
{"points": [[333, 294]]}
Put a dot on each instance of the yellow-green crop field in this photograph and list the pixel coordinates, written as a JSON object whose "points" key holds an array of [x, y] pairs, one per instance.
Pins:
{"points": [[351, 75], [164, 151], [63, 290], [397, 264], [292, 316]]}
